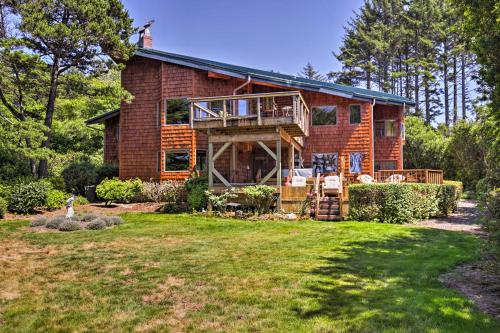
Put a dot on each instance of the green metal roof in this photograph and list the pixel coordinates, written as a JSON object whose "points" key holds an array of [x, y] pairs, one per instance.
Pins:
{"points": [[101, 118], [275, 78]]}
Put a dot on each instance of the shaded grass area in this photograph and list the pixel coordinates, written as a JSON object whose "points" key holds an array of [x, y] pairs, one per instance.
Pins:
{"points": [[187, 273]]}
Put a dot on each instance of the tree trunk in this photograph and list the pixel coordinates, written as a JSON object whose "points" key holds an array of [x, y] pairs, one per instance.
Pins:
{"points": [[455, 90], [31, 161], [427, 101], [464, 90], [43, 170], [446, 92], [417, 88]]}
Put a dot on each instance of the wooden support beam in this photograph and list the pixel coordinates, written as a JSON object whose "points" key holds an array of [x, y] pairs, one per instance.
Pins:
{"points": [[219, 138], [232, 161], [221, 150], [259, 119], [269, 175], [222, 179], [278, 167], [210, 165], [191, 114], [224, 113], [266, 148]]}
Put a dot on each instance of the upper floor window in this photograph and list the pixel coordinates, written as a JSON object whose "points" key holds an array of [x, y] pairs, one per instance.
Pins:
{"points": [[177, 111], [385, 128], [354, 114], [324, 115]]}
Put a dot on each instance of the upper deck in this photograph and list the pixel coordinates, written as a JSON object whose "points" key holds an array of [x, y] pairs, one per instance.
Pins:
{"points": [[286, 110]]}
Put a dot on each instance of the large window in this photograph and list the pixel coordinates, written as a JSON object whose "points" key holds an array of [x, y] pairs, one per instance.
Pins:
{"points": [[385, 165], [177, 111], [201, 160], [355, 162], [324, 115], [354, 114], [324, 163], [177, 160], [385, 128]]}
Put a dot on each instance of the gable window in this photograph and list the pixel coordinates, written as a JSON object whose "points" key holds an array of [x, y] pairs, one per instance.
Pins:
{"points": [[177, 111], [201, 160], [354, 114], [385, 128], [355, 162], [324, 163], [324, 115], [177, 160]]}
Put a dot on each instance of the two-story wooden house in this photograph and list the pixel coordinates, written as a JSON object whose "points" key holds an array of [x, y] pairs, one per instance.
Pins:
{"points": [[245, 126]]}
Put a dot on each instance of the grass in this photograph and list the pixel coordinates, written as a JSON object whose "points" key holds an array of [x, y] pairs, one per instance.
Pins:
{"points": [[184, 273]]}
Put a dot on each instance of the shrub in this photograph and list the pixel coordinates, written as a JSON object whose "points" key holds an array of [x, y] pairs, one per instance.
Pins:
{"points": [[219, 201], [3, 207], [400, 203], [57, 182], [79, 200], [55, 222], [166, 191], [38, 221], [116, 190], [196, 197], [112, 220], [88, 217], [69, 226], [260, 197], [482, 189], [490, 219], [26, 197], [78, 175], [106, 171], [56, 199], [96, 224]]}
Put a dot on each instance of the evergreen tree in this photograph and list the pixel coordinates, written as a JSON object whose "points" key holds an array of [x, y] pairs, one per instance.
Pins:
{"points": [[309, 72], [56, 43]]}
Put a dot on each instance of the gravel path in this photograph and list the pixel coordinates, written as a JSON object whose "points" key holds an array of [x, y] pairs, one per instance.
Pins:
{"points": [[462, 220]]}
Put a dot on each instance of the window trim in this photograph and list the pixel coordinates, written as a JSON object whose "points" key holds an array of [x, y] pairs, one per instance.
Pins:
{"points": [[360, 117], [181, 150], [324, 105], [164, 118]]}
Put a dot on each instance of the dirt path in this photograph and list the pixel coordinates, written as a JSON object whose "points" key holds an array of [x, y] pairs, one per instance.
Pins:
{"points": [[462, 220], [475, 280]]}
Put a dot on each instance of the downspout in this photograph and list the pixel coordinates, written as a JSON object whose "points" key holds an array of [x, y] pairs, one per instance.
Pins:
{"points": [[247, 82], [401, 134], [373, 137]]}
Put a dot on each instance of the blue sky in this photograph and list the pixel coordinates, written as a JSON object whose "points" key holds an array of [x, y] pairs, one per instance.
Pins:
{"points": [[274, 34]]}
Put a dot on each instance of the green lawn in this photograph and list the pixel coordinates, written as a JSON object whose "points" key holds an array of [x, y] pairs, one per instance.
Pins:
{"points": [[184, 273]]}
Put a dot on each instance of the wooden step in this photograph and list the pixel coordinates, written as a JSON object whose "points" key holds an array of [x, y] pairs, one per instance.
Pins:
{"points": [[328, 199], [329, 218], [324, 205], [328, 212]]}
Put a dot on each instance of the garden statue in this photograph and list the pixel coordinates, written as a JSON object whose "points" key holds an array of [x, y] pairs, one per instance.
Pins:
{"points": [[69, 207]]}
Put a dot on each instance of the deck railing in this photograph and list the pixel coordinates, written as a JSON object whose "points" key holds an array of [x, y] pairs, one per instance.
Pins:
{"points": [[280, 108], [426, 176]]}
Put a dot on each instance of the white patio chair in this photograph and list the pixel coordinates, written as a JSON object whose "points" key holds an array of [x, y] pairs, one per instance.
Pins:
{"points": [[395, 178], [299, 181], [365, 179], [332, 185]]}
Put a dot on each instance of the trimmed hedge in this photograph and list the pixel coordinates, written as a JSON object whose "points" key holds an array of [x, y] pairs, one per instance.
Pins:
{"points": [[401, 203]]}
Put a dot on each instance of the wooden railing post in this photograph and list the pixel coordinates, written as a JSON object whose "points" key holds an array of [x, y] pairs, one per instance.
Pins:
{"points": [[259, 120], [191, 115], [210, 164], [224, 111]]}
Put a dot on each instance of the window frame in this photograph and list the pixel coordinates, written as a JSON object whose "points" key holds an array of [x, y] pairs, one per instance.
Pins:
{"points": [[337, 165], [165, 111], [360, 118], [322, 106], [181, 150]]}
